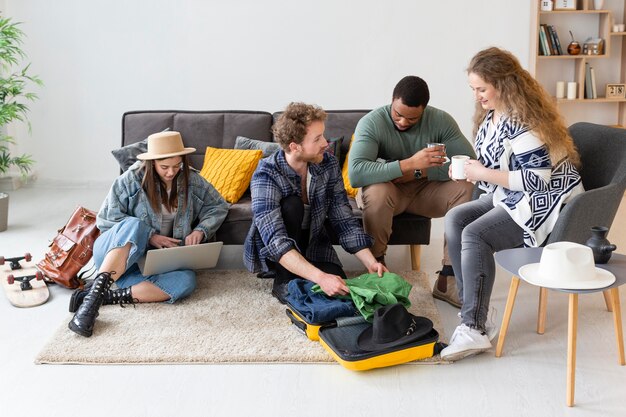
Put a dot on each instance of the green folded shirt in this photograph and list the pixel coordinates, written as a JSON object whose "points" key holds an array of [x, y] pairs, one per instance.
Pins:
{"points": [[370, 292]]}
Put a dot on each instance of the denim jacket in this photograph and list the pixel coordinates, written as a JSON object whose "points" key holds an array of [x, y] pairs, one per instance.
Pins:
{"points": [[205, 209]]}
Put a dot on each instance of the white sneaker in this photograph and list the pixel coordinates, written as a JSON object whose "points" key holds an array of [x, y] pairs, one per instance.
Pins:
{"points": [[465, 342], [491, 328]]}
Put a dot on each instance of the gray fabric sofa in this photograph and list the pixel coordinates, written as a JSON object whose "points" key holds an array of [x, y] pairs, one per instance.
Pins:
{"points": [[219, 129]]}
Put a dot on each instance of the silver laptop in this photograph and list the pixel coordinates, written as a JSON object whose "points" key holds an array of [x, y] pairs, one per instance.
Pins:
{"points": [[159, 261]]}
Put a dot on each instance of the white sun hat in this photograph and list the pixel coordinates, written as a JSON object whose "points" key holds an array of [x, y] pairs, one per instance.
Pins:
{"points": [[566, 265]]}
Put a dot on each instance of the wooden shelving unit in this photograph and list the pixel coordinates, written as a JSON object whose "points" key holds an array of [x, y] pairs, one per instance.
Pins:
{"points": [[609, 68]]}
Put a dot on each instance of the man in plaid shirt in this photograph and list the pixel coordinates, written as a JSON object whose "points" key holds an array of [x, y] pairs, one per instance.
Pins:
{"points": [[294, 192]]}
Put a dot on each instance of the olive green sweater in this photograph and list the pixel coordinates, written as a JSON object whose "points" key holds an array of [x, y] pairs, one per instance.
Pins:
{"points": [[376, 137]]}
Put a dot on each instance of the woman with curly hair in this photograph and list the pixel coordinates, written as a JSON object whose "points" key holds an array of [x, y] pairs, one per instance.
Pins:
{"points": [[526, 166]]}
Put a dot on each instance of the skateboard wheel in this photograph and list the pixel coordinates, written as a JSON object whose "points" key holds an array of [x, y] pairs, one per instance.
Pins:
{"points": [[11, 279], [1, 260], [38, 276], [28, 256]]}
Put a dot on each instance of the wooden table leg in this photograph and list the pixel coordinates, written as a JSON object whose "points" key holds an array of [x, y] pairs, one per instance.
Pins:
{"points": [[508, 310], [416, 252], [617, 322], [542, 311], [572, 324], [607, 300]]}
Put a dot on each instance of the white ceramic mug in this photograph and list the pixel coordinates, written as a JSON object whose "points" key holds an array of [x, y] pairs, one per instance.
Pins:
{"points": [[458, 166]]}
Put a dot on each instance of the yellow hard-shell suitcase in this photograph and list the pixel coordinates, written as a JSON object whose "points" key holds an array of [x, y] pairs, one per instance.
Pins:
{"points": [[340, 340], [311, 330], [339, 337]]}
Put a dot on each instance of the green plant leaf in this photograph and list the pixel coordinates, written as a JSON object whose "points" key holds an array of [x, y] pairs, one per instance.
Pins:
{"points": [[14, 85]]}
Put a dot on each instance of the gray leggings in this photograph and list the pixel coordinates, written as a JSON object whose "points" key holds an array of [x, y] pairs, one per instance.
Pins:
{"points": [[475, 231]]}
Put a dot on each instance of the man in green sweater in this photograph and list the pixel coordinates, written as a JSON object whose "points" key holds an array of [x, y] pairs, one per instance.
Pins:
{"points": [[398, 173]]}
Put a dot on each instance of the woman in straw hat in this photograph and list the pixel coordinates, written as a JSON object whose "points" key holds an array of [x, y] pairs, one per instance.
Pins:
{"points": [[526, 165], [159, 202]]}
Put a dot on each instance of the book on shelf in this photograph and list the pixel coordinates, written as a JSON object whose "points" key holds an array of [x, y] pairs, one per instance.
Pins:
{"points": [[543, 41], [594, 90], [551, 39], [555, 40], [548, 39], [588, 91]]}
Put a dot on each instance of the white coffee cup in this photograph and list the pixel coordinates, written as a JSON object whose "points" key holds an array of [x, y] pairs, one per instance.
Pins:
{"points": [[458, 166]]}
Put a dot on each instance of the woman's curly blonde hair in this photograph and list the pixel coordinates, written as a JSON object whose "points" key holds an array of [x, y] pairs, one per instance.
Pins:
{"points": [[526, 100], [291, 126]]}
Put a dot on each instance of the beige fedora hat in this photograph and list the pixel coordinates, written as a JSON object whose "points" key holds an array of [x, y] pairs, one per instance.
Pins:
{"points": [[566, 265], [165, 145]]}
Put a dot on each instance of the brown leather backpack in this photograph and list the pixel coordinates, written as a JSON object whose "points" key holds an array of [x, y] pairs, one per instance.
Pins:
{"points": [[71, 249]]}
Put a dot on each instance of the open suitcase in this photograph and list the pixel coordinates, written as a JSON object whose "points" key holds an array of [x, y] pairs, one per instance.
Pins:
{"points": [[311, 330], [339, 337]]}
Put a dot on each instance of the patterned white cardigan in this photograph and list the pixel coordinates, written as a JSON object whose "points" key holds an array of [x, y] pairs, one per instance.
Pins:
{"points": [[537, 190]]}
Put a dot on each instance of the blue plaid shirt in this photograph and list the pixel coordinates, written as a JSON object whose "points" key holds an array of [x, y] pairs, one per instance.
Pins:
{"points": [[274, 180]]}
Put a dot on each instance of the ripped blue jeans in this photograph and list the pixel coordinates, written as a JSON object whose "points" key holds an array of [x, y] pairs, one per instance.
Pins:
{"points": [[177, 284]]}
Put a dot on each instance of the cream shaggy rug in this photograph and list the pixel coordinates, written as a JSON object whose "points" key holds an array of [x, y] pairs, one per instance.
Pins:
{"points": [[231, 317]]}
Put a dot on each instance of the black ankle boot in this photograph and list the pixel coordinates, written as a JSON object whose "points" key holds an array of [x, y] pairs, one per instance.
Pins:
{"points": [[85, 317], [121, 297], [78, 296], [280, 290]]}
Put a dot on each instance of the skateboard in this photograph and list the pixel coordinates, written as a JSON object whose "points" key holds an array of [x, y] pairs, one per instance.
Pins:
{"points": [[23, 283]]}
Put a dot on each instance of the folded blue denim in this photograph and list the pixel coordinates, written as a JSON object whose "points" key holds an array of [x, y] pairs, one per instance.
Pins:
{"points": [[316, 308]]}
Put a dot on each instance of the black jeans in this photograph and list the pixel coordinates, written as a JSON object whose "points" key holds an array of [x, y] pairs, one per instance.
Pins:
{"points": [[292, 211]]}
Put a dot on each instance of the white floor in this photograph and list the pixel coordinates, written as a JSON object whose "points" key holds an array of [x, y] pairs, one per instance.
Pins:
{"points": [[529, 380]]}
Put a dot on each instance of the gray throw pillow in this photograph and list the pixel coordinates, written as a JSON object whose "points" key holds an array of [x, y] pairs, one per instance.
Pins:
{"points": [[127, 155], [334, 147], [268, 148]]}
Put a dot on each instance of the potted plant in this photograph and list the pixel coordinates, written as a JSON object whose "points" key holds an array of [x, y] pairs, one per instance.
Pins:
{"points": [[14, 82]]}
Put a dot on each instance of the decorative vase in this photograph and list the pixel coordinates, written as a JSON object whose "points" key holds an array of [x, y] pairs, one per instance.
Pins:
{"points": [[598, 4], [600, 245], [573, 48], [4, 211]]}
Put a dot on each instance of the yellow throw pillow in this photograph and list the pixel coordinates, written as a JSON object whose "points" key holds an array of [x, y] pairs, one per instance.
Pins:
{"points": [[344, 173], [230, 170]]}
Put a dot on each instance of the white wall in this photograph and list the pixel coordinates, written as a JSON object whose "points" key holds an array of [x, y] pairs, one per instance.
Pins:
{"points": [[101, 58]]}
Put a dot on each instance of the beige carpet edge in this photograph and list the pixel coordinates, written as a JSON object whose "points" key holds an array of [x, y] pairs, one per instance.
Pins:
{"points": [[435, 360], [232, 296]]}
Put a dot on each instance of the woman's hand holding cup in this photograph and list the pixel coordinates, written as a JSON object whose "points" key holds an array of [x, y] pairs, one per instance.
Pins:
{"points": [[457, 167]]}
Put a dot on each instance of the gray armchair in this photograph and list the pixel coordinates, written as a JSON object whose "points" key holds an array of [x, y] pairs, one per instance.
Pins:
{"points": [[602, 152], [603, 170]]}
